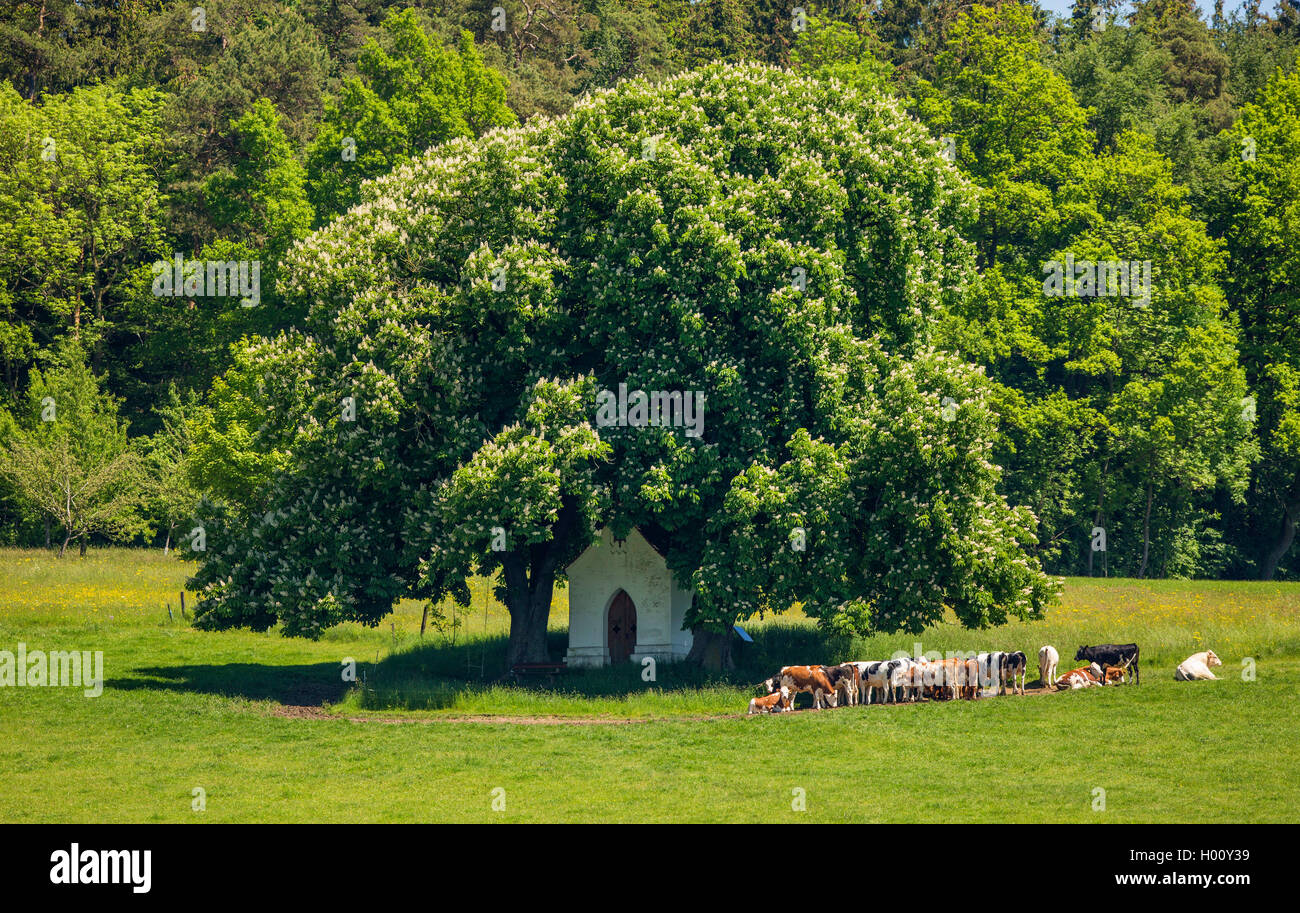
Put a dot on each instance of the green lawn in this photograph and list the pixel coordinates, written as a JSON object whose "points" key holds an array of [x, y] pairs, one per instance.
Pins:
{"points": [[183, 710]]}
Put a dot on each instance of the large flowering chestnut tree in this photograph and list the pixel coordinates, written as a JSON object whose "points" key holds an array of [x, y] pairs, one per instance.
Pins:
{"points": [[775, 245]]}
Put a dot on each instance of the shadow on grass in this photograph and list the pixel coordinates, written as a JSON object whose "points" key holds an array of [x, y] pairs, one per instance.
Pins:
{"points": [[435, 676], [305, 685]]}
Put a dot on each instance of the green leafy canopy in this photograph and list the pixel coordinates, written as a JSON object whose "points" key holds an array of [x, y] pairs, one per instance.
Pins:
{"points": [[779, 243]]}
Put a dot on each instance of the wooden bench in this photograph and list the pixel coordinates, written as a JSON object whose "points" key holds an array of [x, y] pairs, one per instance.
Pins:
{"points": [[550, 670]]}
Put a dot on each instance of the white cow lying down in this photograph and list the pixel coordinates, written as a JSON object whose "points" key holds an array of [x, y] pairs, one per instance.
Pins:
{"points": [[1197, 666]]}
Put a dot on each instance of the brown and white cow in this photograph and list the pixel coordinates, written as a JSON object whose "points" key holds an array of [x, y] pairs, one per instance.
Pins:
{"points": [[812, 679], [1115, 675], [945, 678], [776, 702], [970, 686], [1086, 677]]}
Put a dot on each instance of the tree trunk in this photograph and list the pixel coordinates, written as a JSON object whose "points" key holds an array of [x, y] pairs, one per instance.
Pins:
{"points": [[67, 537], [167, 546], [1096, 519], [40, 31], [529, 574], [1282, 544], [711, 650], [1146, 533], [529, 603], [528, 625], [83, 546]]}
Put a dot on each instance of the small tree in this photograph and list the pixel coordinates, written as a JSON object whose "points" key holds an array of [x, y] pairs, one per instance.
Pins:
{"points": [[172, 494], [69, 457]]}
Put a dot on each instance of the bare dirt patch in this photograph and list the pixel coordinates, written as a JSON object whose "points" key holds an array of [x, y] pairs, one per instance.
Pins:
{"points": [[300, 712]]}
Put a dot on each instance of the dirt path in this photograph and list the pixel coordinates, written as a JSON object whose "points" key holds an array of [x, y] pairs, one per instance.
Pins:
{"points": [[298, 712]]}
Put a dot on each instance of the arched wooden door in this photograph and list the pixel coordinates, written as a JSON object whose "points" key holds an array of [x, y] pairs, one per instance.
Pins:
{"points": [[622, 628]]}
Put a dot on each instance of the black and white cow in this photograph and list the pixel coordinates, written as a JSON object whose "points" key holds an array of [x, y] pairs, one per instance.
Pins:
{"points": [[1014, 666], [846, 681], [991, 669], [878, 675], [1105, 655], [906, 679]]}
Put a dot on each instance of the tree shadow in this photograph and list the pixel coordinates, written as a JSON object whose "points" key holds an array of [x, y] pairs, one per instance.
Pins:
{"points": [[437, 674], [303, 685]]}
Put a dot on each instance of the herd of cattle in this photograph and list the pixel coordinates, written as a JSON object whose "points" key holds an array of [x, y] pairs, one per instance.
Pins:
{"points": [[908, 679]]}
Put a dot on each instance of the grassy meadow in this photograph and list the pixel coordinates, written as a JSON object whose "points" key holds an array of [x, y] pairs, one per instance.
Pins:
{"points": [[268, 730]]}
